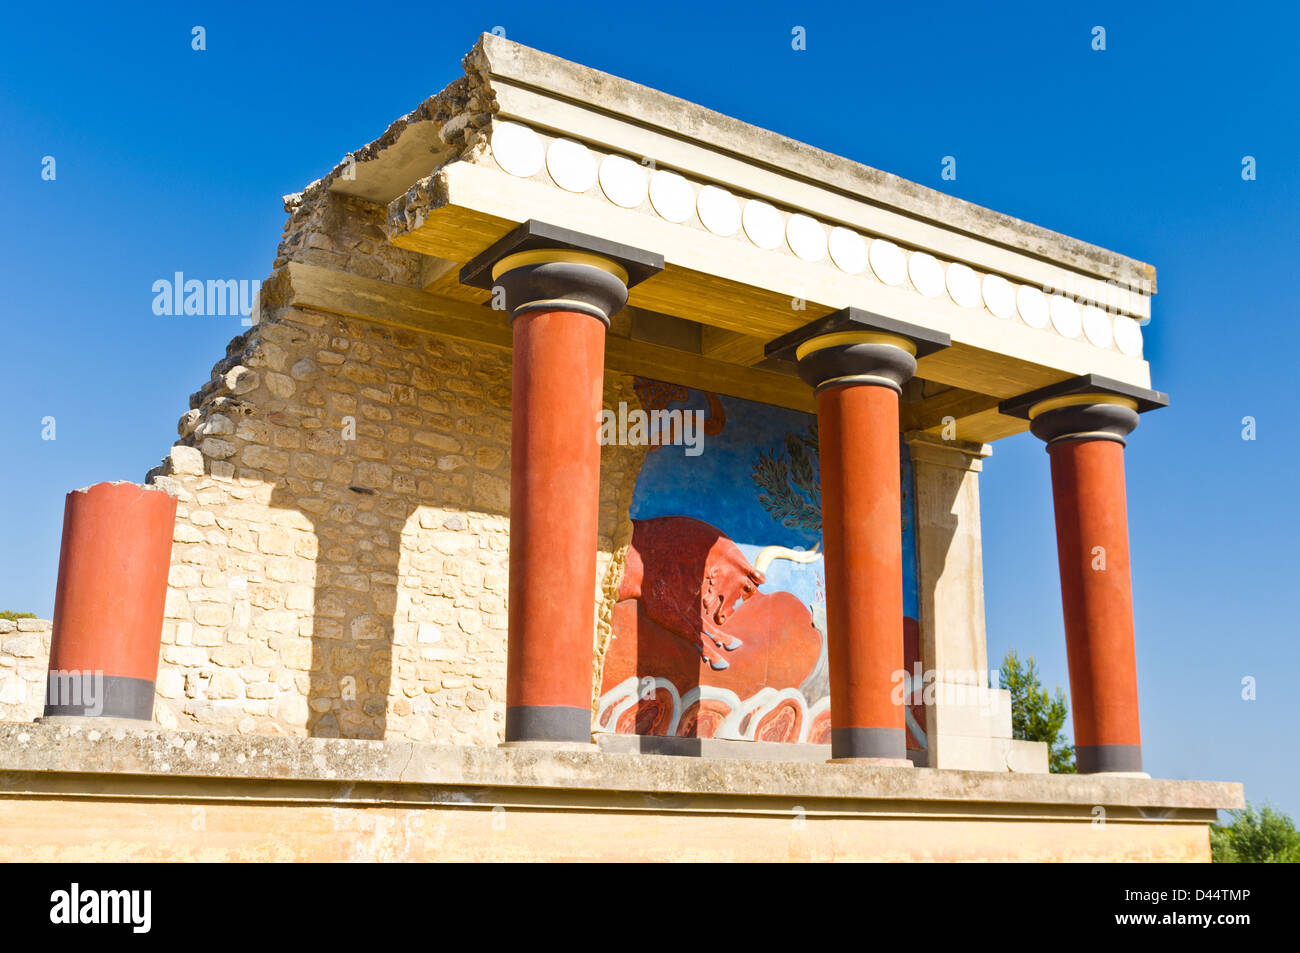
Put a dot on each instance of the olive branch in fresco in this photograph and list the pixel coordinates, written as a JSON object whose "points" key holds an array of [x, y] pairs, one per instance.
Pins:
{"points": [[788, 483]]}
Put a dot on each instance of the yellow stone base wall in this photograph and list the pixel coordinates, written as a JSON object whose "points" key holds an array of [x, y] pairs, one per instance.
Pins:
{"points": [[194, 829], [89, 791]]}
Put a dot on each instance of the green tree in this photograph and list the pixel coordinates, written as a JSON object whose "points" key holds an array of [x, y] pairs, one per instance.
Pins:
{"points": [[1255, 837], [15, 616], [1036, 716]]}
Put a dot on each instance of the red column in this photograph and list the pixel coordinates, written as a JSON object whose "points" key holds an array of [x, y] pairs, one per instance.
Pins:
{"points": [[1085, 421], [554, 505], [857, 363], [862, 534], [1097, 598], [108, 607], [561, 288]]}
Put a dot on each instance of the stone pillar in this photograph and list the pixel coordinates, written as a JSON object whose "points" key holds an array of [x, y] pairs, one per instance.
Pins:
{"points": [[857, 363], [1084, 422], [962, 716], [108, 605], [560, 288]]}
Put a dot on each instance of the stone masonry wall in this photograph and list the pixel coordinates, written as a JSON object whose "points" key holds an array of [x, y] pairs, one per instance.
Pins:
{"points": [[24, 659], [340, 557]]}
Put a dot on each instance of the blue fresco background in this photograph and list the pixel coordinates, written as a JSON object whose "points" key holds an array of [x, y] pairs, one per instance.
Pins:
{"points": [[717, 487]]}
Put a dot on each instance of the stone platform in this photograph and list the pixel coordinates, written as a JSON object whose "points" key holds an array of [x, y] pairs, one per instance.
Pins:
{"points": [[72, 792]]}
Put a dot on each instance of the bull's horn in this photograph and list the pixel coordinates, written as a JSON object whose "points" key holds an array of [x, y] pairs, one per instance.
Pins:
{"points": [[769, 553]]}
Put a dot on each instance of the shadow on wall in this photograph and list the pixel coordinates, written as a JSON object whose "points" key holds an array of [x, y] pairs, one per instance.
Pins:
{"points": [[951, 603], [405, 591], [341, 559]]}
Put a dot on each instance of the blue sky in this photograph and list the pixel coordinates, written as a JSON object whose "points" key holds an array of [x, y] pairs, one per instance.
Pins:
{"points": [[174, 160]]}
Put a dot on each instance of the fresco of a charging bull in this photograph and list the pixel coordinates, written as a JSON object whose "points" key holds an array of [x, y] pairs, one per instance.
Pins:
{"points": [[689, 592], [689, 577], [718, 627]]}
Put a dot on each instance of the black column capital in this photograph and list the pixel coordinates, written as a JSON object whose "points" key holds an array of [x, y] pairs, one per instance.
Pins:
{"points": [[852, 346], [545, 267], [1087, 407]]}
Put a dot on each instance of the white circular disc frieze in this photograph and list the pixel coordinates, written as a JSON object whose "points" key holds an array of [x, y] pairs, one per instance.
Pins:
{"points": [[672, 196], [888, 262], [517, 149], [1128, 336], [1065, 317], [848, 250], [622, 181], [719, 210], [806, 237], [963, 285], [1032, 305], [1096, 326], [999, 296], [926, 273], [763, 224], [571, 165]]}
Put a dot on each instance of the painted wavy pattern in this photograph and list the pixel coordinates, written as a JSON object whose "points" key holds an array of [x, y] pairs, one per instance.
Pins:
{"points": [[652, 706]]}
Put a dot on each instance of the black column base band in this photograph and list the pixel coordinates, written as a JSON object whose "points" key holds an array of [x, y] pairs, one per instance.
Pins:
{"points": [[548, 723], [868, 743], [1093, 759], [92, 695]]}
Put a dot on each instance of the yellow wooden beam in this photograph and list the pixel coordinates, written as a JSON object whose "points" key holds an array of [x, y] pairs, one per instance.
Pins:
{"points": [[324, 289]]}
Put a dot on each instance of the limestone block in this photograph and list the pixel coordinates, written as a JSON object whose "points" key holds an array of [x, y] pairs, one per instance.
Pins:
{"points": [[263, 458], [231, 656], [967, 753], [291, 711], [170, 684], [225, 684], [185, 426], [266, 353], [296, 654], [216, 425], [27, 645], [216, 448], [213, 614], [241, 380], [305, 370], [186, 461], [281, 385], [1027, 757], [962, 709]]}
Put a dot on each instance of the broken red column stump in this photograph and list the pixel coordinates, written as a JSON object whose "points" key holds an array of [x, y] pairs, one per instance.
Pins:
{"points": [[108, 607]]}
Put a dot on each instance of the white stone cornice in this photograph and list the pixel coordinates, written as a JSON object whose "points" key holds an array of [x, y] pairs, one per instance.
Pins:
{"points": [[794, 233]]}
